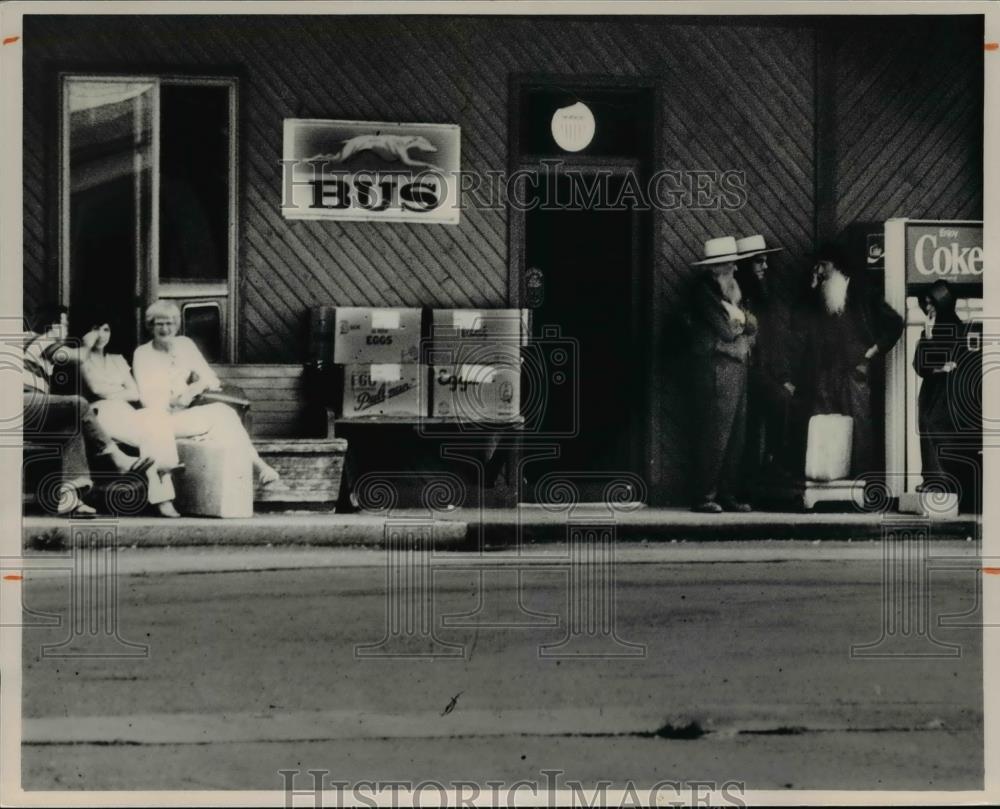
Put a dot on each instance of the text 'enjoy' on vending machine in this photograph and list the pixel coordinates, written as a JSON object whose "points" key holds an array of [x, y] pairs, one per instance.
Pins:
{"points": [[919, 253]]}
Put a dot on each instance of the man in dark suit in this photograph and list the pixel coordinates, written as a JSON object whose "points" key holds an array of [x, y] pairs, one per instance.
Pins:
{"points": [[850, 331], [723, 331]]}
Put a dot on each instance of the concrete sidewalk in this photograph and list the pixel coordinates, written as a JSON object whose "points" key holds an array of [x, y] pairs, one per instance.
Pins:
{"points": [[472, 529]]}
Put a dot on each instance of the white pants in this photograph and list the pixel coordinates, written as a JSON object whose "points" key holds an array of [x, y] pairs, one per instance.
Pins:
{"points": [[219, 424], [151, 431]]}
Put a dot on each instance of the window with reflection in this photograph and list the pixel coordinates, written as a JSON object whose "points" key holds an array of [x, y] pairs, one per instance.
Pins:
{"points": [[148, 202]]}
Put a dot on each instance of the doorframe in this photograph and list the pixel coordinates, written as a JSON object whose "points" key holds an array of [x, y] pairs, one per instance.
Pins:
{"points": [[515, 161], [647, 321]]}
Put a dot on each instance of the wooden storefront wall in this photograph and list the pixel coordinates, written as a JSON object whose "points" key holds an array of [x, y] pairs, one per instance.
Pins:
{"points": [[832, 123]]}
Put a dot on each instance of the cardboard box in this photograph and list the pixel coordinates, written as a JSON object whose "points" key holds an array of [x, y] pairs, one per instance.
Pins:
{"points": [[476, 393], [376, 335], [384, 389], [477, 336]]}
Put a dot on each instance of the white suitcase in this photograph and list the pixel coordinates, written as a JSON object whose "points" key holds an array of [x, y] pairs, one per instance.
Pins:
{"points": [[828, 447]]}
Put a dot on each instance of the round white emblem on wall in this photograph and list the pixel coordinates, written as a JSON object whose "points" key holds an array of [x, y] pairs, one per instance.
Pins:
{"points": [[573, 127]]}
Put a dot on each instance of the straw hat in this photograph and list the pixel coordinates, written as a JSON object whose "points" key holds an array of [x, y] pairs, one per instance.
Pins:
{"points": [[755, 245], [721, 250]]}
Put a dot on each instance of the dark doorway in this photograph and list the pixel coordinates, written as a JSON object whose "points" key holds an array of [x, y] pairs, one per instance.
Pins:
{"points": [[104, 262], [590, 306]]}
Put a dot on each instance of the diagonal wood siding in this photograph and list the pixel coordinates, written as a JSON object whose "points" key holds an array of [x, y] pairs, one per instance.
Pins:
{"points": [[733, 94], [909, 119]]}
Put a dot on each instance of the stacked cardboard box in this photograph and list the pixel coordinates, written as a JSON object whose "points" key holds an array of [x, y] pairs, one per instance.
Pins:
{"points": [[379, 349], [384, 389], [475, 393], [370, 335], [475, 363]]}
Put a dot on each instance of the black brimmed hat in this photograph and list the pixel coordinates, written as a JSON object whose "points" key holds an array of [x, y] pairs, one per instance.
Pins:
{"points": [[834, 252]]}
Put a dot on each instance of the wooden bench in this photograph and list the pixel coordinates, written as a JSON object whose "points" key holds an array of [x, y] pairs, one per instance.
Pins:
{"points": [[280, 406], [292, 433]]}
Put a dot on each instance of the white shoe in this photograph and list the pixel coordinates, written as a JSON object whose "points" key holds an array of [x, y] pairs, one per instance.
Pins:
{"points": [[70, 504], [166, 509], [267, 474]]}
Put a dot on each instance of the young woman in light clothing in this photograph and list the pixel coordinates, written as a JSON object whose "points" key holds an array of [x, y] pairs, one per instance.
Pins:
{"points": [[115, 401]]}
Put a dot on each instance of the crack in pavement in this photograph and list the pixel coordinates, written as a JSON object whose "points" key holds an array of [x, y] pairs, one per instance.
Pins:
{"points": [[717, 734]]}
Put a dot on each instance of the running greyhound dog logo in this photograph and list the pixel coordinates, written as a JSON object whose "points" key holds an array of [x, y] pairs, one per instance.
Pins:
{"points": [[390, 148]]}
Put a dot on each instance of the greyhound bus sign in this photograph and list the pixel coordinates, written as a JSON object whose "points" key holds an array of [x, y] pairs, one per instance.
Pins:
{"points": [[370, 171]]}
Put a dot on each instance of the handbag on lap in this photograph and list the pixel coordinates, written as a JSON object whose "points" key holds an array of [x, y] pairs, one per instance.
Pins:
{"points": [[232, 396]]}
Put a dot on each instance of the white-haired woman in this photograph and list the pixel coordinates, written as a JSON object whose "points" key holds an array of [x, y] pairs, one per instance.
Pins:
{"points": [[171, 373]]}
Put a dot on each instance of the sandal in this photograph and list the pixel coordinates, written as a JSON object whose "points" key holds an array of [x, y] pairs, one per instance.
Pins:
{"points": [[70, 503], [81, 511], [141, 465]]}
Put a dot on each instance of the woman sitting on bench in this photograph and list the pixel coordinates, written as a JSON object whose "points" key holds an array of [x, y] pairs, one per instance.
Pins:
{"points": [[114, 401], [171, 373]]}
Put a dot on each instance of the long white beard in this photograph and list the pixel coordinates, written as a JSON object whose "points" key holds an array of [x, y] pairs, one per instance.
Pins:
{"points": [[835, 293], [730, 289]]}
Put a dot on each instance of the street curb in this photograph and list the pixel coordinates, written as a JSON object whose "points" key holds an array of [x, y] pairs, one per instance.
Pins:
{"points": [[473, 530], [817, 530], [53, 533]]}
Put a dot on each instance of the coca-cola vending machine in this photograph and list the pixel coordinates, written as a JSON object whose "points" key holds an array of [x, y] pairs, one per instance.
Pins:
{"points": [[917, 254]]}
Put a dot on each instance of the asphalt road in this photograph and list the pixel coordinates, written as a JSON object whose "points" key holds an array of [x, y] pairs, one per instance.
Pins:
{"points": [[719, 662]]}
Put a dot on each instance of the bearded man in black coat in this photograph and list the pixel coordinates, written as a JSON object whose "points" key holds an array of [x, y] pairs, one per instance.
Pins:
{"points": [[850, 332]]}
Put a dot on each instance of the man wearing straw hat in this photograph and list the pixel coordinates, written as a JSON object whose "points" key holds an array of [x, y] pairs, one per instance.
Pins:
{"points": [[723, 331], [770, 391]]}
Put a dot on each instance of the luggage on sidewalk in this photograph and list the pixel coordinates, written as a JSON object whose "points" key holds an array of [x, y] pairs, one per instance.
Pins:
{"points": [[828, 447]]}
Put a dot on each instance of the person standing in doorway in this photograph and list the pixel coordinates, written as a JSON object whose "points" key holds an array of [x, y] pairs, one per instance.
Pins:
{"points": [[723, 331]]}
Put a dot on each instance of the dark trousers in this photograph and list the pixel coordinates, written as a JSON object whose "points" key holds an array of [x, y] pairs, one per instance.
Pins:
{"points": [[849, 393], [69, 421], [953, 462], [863, 433], [721, 397], [770, 430]]}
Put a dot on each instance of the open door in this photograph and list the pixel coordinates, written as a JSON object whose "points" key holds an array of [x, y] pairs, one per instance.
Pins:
{"points": [[588, 259]]}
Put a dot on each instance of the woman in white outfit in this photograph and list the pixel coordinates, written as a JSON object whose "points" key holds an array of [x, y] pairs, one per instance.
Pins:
{"points": [[114, 401], [171, 372]]}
